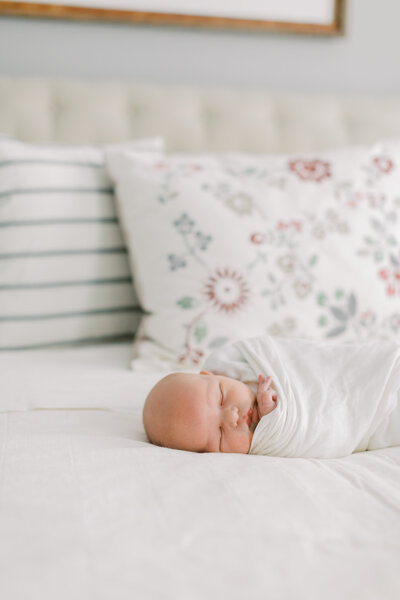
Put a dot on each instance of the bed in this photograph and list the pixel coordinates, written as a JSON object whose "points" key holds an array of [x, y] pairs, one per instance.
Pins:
{"points": [[90, 509]]}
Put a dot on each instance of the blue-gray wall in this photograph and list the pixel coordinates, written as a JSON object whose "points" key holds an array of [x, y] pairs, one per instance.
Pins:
{"points": [[366, 59]]}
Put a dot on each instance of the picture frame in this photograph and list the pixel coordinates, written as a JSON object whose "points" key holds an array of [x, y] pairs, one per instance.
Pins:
{"points": [[318, 17]]}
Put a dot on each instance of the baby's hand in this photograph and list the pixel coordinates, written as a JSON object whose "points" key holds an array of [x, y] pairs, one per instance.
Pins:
{"points": [[266, 397]]}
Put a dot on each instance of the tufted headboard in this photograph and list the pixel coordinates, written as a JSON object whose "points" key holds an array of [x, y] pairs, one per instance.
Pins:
{"points": [[192, 118]]}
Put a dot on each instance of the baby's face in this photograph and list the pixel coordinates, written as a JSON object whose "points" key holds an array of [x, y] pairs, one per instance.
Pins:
{"points": [[201, 413]]}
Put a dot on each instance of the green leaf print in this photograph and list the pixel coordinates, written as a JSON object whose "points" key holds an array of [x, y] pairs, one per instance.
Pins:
{"points": [[322, 298], [322, 321], [339, 294], [187, 302], [200, 332]]}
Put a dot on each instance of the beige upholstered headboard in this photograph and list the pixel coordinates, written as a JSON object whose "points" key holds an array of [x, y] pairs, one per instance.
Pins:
{"points": [[192, 118]]}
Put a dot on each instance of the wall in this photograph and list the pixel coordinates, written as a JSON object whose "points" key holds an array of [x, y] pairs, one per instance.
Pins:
{"points": [[364, 60]]}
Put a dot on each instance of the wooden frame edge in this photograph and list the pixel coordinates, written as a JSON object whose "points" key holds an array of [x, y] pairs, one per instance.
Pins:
{"points": [[54, 11]]}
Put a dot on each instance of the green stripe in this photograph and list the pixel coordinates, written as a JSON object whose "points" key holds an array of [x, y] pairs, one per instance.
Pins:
{"points": [[61, 190], [101, 311], [63, 253], [56, 284], [94, 340], [49, 161], [107, 220]]}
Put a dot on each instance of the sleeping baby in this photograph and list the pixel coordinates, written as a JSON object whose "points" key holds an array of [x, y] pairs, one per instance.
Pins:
{"points": [[282, 397]]}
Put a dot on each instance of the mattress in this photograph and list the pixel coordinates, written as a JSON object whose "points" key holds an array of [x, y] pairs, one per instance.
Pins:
{"points": [[91, 510]]}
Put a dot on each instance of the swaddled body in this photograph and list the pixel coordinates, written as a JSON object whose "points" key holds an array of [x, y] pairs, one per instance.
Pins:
{"points": [[333, 399]]}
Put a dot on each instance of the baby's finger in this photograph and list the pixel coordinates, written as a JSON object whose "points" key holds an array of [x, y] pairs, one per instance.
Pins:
{"points": [[268, 381], [261, 383]]}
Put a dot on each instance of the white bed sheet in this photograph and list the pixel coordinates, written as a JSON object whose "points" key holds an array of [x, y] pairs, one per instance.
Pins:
{"points": [[91, 511]]}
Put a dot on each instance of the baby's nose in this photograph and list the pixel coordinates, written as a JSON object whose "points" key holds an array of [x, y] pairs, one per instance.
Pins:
{"points": [[234, 416]]}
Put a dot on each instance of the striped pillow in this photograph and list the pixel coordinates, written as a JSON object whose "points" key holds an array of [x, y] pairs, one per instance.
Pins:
{"points": [[64, 272]]}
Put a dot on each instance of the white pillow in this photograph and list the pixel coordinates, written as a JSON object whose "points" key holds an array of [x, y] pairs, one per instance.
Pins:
{"points": [[64, 274], [231, 246]]}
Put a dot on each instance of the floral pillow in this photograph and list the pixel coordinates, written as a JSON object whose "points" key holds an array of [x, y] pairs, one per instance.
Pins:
{"points": [[230, 246]]}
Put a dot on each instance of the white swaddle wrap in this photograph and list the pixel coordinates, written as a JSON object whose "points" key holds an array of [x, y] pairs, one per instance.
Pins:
{"points": [[333, 399]]}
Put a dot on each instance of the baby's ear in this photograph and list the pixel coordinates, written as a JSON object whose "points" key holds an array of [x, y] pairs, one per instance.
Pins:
{"points": [[206, 373]]}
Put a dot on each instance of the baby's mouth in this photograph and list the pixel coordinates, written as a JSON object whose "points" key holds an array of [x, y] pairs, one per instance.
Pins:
{"points": [[252, 417], [249, 416]]}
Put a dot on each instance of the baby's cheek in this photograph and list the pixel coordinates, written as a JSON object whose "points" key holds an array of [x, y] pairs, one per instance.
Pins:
{"points": [[242, 441]]}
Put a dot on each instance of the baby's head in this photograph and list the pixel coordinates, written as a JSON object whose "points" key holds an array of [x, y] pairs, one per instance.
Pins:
{"points": [[201, 412]]}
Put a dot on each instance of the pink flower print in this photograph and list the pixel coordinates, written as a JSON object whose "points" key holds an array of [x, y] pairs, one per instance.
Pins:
{"points": [[383, 164], [227, 290], [383, 274], [367, 318], [297, 225], [192, 354], [374, 200], [257, 237], [286, 225], [310, 170], [391, 276], [391, 290]]}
